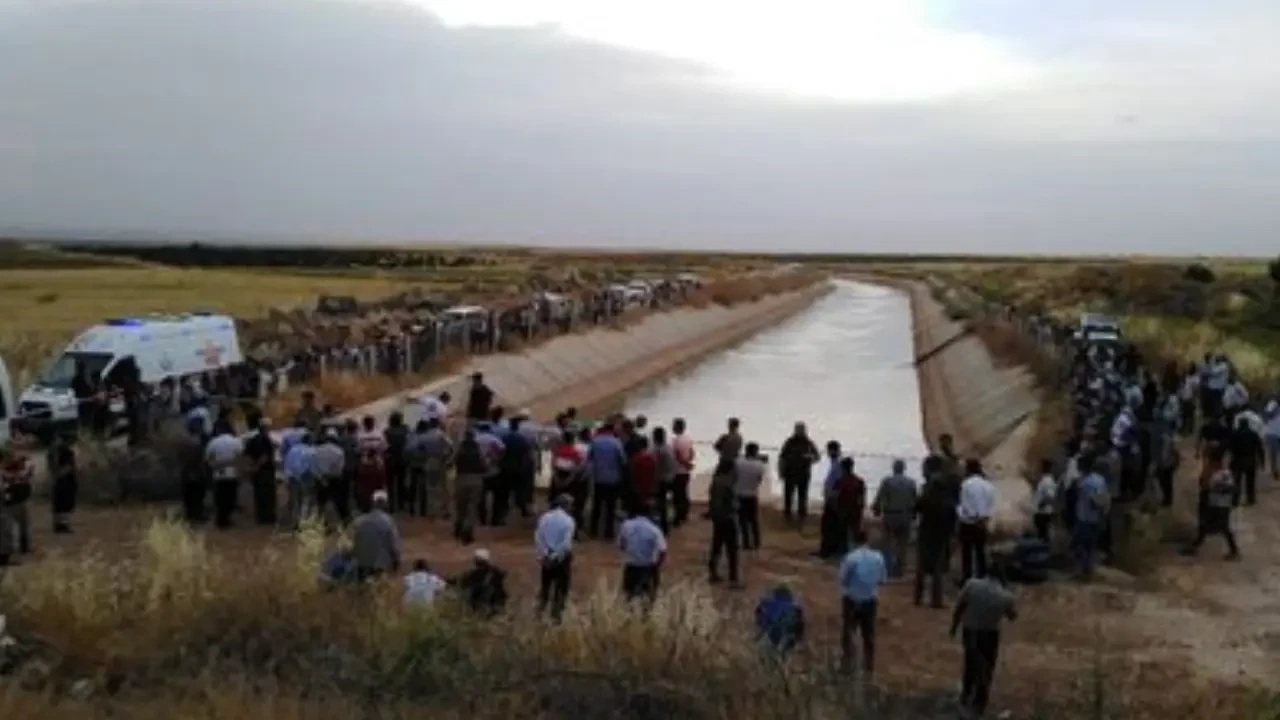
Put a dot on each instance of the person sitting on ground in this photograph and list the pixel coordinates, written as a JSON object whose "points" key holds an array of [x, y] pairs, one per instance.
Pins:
{"points": [[375, 540], [484, 587], [1030, 560], [422, 587], [339, 568], [780, 620]]}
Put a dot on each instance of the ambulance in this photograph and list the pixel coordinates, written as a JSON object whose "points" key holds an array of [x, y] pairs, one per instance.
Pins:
{"points": [[162, 347]]}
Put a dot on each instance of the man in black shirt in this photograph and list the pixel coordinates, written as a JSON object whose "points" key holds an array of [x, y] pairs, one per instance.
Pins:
{"points": [[795, 465], [1247, 455], [261, 451], [479, 401], [1212, 433]]}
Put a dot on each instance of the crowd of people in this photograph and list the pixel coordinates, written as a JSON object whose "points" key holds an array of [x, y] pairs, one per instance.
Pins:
{"points": [[621, 481]]}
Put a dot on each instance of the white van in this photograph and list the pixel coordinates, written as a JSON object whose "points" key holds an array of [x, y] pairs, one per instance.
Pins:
{"points": [[8, 404], [163, 347]]}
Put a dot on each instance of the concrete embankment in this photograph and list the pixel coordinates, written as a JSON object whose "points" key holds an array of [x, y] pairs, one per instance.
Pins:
{"points": [[592, 370], [989, 410]]}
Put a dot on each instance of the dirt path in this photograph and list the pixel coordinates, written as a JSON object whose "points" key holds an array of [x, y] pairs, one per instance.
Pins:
{"points": [[1225, 614]]}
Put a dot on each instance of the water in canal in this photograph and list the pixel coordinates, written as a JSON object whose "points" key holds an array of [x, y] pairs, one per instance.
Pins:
{"points": [[843, 366]]}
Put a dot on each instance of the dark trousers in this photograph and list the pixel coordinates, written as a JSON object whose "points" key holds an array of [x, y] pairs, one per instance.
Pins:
{"points": [[835, 531], [1044, 522], [1246, 479], [749, 522], [604, 509], [724, 539], [680, 499], [523, 487], [397, 497], [640, 582], [1164, 477], [1216, 521], [858, 617], [193, 492], [264, 497], [662, 507], [973, 550], [416, 486], [795, 493], [337, 492], [553, 590], [930, 551], [494, 500], [981, 650], [224, 501]]}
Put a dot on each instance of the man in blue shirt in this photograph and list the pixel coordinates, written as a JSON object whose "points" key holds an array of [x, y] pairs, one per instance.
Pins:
{"points": [[862, 572], [607, 466], [516, 464], [1092, 502]]}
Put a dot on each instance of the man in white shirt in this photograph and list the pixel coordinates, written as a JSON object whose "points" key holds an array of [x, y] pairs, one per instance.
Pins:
{"points": [[422, 587], [1271, 435], [1045, 499], [682, 444], [1234, 399], [750, 475], [223, 454], [553, 540], [977, 506], [436, 407], [1215, 384], [644, 548]]}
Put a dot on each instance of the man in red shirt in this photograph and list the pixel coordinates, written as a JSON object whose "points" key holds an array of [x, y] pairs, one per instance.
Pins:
{"points": [[371, 476], [851, 502], [568, 475], [644, 473]]}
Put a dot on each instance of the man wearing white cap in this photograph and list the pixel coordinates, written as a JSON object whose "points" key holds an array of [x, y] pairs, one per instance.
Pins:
{"points": [[375, 540], [484, 586]]}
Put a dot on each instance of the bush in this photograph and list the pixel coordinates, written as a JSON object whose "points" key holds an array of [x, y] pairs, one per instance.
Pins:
{"points": [[1200, 273]]}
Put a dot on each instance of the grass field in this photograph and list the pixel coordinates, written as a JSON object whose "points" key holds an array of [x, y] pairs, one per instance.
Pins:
{"points": [[1172, 317]]}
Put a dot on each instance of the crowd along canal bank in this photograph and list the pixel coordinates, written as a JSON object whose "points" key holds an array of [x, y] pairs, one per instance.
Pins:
{"points": [[857, 360]]}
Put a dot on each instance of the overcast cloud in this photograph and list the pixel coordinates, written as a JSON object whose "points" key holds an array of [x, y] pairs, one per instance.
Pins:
{"points": [[1004, 126]]}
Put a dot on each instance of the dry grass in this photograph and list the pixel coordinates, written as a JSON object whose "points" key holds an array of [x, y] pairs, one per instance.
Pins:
{"points": [[174, 627]]}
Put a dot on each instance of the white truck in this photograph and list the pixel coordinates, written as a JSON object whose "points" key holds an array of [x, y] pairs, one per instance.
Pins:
{"points": [[162, 347]]}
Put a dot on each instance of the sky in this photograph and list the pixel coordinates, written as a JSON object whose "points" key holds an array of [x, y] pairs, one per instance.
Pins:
{"points": [[931, 126]]}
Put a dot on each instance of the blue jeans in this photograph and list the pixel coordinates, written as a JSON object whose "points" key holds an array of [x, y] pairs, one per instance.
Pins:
{"points": [[1084, 544]]}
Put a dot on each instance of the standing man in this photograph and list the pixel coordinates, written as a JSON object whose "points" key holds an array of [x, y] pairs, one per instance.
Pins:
{"points": [[260, 449], [729, 445], [751, 472], [493, 449], [471, 467], [437, 450], [516, 472], [1045, 499], [329, 463], [862, 572], [937, 512], [15, 491], [682, 444], [436, 407], [479, 400], [895, 505], [644, 548], [1219, 495], [829, 545], [194, 475], [795, 465], [299, 477], [607, 467], [223, 457], [396, 437], [722, 507], [553, 540], [983, 604], [1093, 500], [1247, 455], [668, 467], [977, 506], [1271, 435]]}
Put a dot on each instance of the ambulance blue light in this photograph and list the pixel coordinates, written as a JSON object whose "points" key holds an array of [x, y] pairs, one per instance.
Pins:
{"points": [[125, 322]]}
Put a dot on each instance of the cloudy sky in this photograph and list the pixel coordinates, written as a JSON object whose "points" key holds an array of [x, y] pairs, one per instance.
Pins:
{"points": [[1141, 126]]}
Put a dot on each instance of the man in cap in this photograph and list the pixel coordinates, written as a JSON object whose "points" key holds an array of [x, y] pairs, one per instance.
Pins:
{"points": [[484, 586], [375, 540]]}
